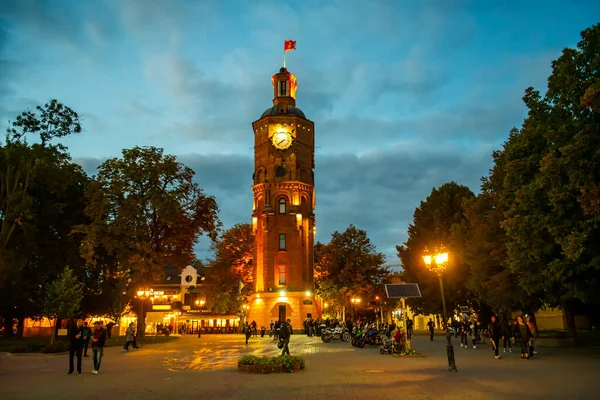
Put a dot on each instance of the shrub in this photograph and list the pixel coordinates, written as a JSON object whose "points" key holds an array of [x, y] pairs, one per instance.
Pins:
{"points": [[20, 349], [287, 362], [57, 347]]}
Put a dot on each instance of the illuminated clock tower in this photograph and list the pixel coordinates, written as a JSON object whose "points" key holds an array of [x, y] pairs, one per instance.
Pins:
{"points": [[283, 218]]}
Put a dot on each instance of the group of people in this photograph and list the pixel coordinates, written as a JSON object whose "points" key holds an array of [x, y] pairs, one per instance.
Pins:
{"points": [[280, 330], [80, 335], [523, 332]]}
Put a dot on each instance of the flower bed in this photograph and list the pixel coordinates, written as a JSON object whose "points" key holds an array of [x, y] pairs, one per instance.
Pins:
{"points": [[266, 365]]}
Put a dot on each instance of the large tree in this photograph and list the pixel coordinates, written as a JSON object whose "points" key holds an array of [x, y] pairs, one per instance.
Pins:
{"points": [[146, 212], [439, 224], [232, 265], [553, 181], [349, 265], [490, 280], [63, 298], [41, 199]]}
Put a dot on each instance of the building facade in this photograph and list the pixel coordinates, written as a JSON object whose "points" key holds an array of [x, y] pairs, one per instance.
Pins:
{"points": [[283, 218]]}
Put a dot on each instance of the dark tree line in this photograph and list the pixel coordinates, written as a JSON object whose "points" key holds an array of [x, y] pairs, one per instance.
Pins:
{"points": [[532, 236], [116, 231]]}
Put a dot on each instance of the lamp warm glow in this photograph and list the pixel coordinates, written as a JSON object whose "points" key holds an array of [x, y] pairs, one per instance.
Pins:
{"points": [[282, 293], [427, 260], [197, 302], [254, 224], [202, 302], [299, 220], [140, 293], [308, 293], [376, 297], [441, 258], [326, 305]]}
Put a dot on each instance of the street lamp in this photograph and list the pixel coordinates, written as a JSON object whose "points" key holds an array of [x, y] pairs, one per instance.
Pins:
{"points": [[143, 295], [437, 263], [355, 301]]}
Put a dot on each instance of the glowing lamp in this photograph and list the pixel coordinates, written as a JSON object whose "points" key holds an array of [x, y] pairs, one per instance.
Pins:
{"points": [[308, 293], [427, 260], [282, 293], [202, 302], [299, 220], [140, 293], [441, 258], [254, 224]]}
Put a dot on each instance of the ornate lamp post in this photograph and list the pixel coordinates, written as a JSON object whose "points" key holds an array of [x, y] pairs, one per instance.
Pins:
{"points": [[437, 263], [143, 295]]}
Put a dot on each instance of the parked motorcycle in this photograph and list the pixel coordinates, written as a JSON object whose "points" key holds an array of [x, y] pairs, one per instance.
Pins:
{"points": [[337, 333]]}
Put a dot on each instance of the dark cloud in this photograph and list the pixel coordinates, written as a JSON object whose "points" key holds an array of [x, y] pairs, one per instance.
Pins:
{"points": [[377, 192]]}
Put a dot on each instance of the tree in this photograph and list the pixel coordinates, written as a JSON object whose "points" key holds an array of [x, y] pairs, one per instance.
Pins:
{"points": [[146, 212], [439, 224], [349, 265], [490, 280], [233, 264], [63, 297], [41, 199], [553, 182]]}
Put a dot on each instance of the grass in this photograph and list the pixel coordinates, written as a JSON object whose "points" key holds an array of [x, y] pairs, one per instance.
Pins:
{"points": [[38, 342]]}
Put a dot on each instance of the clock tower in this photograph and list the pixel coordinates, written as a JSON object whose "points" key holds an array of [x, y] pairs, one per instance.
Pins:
{"points": [[283, 218]]}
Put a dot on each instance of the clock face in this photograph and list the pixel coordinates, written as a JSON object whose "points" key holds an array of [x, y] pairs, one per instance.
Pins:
{"points": [[282, 140]]}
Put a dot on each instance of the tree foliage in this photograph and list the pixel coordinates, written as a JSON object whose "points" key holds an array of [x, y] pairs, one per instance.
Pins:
{"points": [[41, 199], [146, 213], [233, 263], [439, 224], [553, 182], [63, 296], [349, 265]]}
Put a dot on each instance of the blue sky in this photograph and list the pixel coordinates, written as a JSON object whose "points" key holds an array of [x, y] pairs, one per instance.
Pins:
{"points": [[405, 95]]}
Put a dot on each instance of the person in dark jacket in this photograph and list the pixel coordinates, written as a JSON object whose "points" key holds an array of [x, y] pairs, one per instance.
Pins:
{"points": [[87, 333], [524, 336], [98, 341], [495, 334], [507, 335], [75, 344]]}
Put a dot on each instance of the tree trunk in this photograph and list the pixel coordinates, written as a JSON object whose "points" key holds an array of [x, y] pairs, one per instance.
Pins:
{"points": [[570, 318], [20, 326], [54, 331], [8, 325]]}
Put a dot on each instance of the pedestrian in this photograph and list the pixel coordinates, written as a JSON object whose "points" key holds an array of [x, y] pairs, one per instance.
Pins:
{"points": [[247, 331], [98, 340], [507, 335], [75, 344], [285, 330], [431, 326], [464, 333], [474, 332], [495, 333], [129, 336], [524, 337], [409, 328], [276, 332], [87, 332], [533, 329]]}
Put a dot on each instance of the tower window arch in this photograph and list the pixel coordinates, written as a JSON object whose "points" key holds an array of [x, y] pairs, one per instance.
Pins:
{"points": [[282, 205], [283, 88]]}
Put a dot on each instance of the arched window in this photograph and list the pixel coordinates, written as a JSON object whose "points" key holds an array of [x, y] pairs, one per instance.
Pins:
{"points": [[282, 206]]}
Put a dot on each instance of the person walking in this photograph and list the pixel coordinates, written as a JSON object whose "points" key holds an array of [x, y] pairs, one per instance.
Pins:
{"points": [[474, 332], [98, 340], [129, 336], [464, 333], [284, 336], [524, 336], [431, 326], [87, 333], [495, 334], [247, 331], [75, 344], [506, 330], [409, 328], [533, 330]]}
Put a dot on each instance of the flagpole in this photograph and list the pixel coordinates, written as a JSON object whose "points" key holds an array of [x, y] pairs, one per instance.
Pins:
{"points": [[284, 53]]}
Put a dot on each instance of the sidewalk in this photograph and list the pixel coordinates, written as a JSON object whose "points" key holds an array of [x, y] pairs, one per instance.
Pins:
{"points": [[192, 368]]}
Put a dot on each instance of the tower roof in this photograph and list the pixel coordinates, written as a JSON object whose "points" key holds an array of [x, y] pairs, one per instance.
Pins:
{"points": [[283, 109]]}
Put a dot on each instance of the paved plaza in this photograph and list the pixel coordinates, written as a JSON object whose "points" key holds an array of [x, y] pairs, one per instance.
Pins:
{"points": [[205, 368]]}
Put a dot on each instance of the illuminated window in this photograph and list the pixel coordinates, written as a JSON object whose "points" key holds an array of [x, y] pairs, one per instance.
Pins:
{"points": [[282, 241], [283, 88], [282, 206], [282, 275]]}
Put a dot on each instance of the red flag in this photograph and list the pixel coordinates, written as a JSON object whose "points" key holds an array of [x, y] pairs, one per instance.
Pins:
{"points": [[289, 45]]}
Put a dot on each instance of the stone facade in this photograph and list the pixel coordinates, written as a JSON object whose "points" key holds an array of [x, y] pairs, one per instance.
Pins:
{"points": [[283, 217]]}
